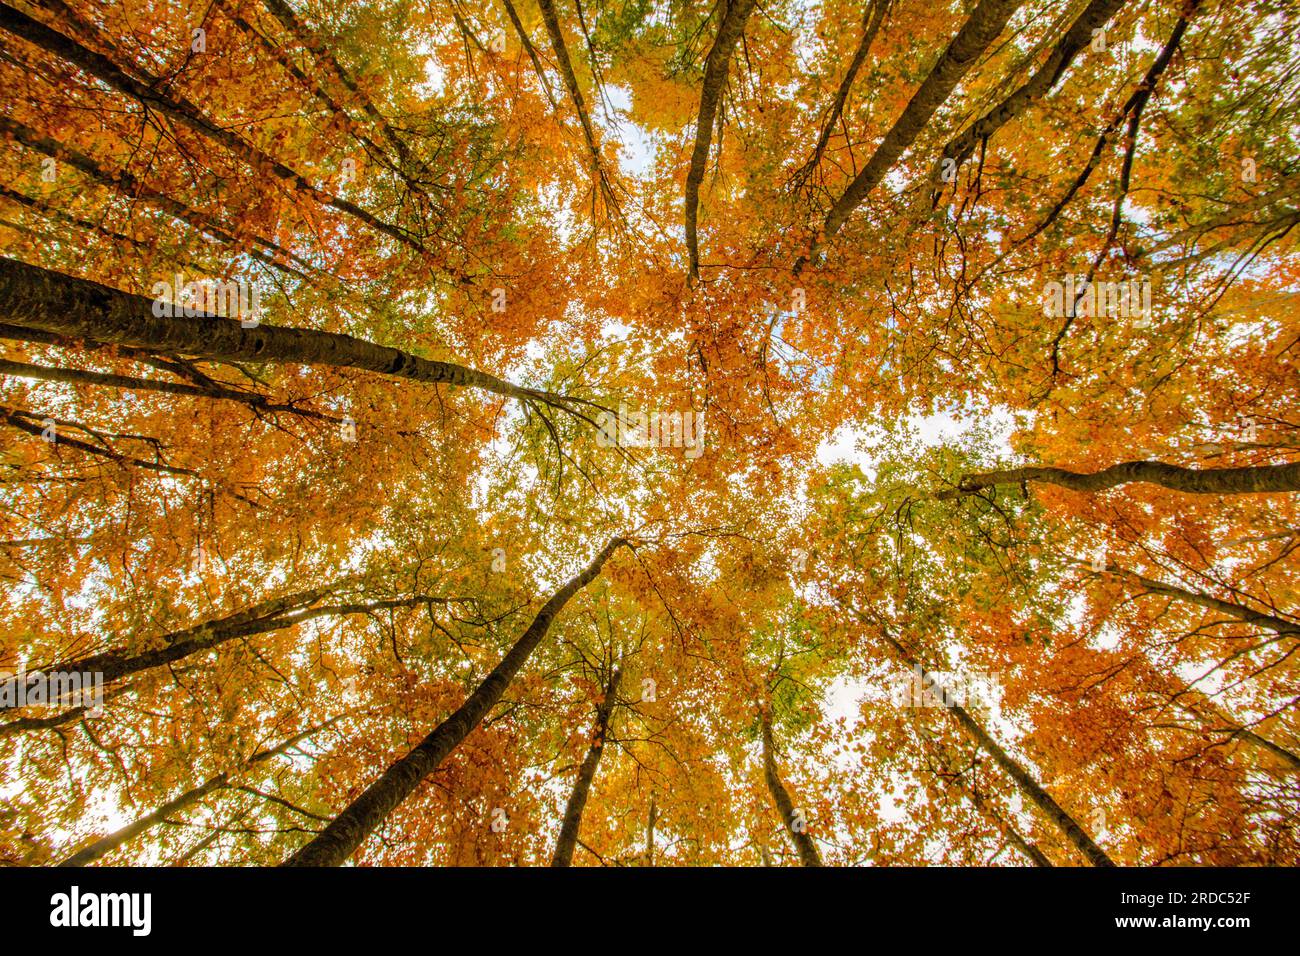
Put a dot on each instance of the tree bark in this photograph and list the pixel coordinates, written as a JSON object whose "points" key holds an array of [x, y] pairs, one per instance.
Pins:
{"points": [[46, 301], [561, 50], [715, 77], [1257, 479], [1024, 780], [1079, 35], [360, 818], [870, 27], [976, 35], [568, 838], [1231, 608], [187, 799], [119, 663], [74, 376], [184, 112], [956, 778], [289, 20], [531, 50], [650, 831], [808, 854], [126, 184]]}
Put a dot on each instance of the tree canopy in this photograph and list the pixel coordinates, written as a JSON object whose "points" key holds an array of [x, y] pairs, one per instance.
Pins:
{"points": [[631, 433]]}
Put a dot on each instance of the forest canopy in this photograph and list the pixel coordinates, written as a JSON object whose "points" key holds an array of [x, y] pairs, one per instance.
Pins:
{"points": [[633, 433]]}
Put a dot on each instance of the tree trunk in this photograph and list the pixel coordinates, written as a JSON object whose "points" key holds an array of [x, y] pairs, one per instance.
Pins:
{"points": [[289, 20], [715, 78], [36, 298], [1028, 786], [586, 773], [1258, 479], [184, 112], [1028, 849], [561, 50], [187, 799], [976, 35], [126, 184], [1094, 17], [1231, 608], [359, 819], [1202, 707], [258, 619], [781, 797], [870, 27], [650, 831]]}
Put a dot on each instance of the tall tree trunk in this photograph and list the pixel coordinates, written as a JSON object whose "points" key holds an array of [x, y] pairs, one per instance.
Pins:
{"points": [[956, 778], [650, 831], [1094, 16], [289, 20], [975, 36], [568, 838], [261, 618], [561, 50], [359, 819], [781, 797], [74, 376], [118, 663], [126, 184], [531, 50], [146, 92], [187, 799], [875, 16], [1200, 706], [1257, 479], [36, 298], [1029, 787], [715, 78], [1242, 613]]}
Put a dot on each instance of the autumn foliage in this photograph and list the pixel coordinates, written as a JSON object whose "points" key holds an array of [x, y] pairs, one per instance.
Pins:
{"points": [[621, 433]]}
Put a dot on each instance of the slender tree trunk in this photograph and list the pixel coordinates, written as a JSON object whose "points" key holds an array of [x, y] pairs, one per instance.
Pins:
{"points": [[1094, 16], [1237, 732], [586, 774], [1230, 608], [1027, 848], [1257, 479], [715, 78], [1200, 706], [650, 831], [975, 36], [531, 50], [870, 27], [74, 376], [561, 50], [182, 111], [781, 797], [358, 820], [126, 184], [289, 20], [118, 663], [54, 721], [51, 302], [1029, 787], [187, 799]]}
